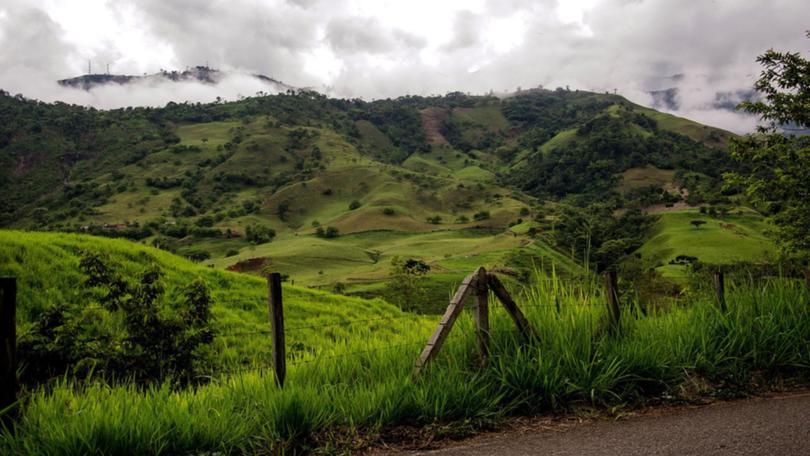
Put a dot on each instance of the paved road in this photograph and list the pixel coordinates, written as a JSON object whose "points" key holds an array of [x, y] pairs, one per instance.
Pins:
{"points": [[778, 425]]}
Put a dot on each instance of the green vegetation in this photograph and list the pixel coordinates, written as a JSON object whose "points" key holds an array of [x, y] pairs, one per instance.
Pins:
{"points": [[773, 165], [47, 267], [737, 237], [688, 347]]}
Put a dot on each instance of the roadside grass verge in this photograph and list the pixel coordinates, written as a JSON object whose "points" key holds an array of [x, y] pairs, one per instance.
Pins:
{"points": [[364, 386]]}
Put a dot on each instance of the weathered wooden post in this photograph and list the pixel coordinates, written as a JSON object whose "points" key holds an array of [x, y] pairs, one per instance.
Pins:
{"points": [[8, 339], [512, 309], [277, 327], [612, 298], [482, 313], [720, 290], [434, 344]]}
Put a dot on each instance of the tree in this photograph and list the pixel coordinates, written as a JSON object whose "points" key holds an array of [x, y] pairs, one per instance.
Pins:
{"points": [[259, 234], [405, 284], [774, 173], [480, 216], [697, 223], [354, 205]]}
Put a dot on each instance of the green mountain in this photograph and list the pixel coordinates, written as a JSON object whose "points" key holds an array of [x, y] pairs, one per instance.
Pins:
{"points": [[329, 191]]}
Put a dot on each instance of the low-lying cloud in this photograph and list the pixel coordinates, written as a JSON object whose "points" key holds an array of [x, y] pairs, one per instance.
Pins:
{"points": [[372, 49]]}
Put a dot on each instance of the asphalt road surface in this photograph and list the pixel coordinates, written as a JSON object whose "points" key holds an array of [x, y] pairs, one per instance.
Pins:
{"points": [[778, 426]]}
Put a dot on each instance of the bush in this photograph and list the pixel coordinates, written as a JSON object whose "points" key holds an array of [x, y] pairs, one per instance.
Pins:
{"points": [[197, 255], [329, 233], [479, 216], [354, 205], [158, 341], [435, 220], [259, 234], [388, 211]]}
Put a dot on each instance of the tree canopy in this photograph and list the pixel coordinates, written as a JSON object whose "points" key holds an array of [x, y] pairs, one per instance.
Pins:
{"points": [[775, 164]]}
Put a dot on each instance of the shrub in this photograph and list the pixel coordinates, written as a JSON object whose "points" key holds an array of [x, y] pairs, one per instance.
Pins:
{"points": [[435, 220], [354, 205], [388, 211], [158, 341], [259, 234], [479, 216], [197, 255], [329, 233]]}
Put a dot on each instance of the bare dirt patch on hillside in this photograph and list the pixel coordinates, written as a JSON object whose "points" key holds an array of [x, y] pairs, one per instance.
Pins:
{"points": [[432, 119]]}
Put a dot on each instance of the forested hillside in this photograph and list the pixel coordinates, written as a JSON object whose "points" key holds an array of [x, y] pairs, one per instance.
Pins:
{"points": [[265, 180]]}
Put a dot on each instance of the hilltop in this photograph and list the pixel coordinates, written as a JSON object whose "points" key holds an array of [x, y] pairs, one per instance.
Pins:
{"points": [[202, 74]]}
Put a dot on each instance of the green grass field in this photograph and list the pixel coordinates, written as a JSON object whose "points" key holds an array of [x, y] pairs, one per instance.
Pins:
{"points": [[356, 383], [733, 238], [46, 266]]}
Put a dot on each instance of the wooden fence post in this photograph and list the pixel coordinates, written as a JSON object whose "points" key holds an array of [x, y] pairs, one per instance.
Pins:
{"points": [[482, 313], [436, 341], [8, 341], [612, 293], [512, 309], [720, 290], [277, 327]]}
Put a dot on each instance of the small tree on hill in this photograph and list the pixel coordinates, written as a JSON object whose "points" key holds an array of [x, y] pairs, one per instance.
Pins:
{"points": [[406, 283], [697, 223]]}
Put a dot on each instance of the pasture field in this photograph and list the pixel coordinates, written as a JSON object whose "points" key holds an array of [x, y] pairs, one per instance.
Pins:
{"points": [[739, 236], [357, 382]]}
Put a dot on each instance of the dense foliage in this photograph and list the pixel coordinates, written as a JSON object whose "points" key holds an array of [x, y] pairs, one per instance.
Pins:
{"points": [[775, 171], [124, 329]]}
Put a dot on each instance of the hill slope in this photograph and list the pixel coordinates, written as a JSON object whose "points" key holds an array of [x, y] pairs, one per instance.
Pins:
{"points": [[258, 178], [47, 268]]}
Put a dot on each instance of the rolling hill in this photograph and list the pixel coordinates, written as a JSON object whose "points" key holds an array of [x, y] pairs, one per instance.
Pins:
{"points": [[257, 182]]}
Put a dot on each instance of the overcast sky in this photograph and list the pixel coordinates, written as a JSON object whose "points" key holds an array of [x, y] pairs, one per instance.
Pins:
{"points": [[375, 48]]}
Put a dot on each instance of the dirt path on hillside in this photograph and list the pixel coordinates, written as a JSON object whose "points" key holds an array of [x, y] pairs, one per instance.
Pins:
{"points": [[432, 119], [777, 425]]}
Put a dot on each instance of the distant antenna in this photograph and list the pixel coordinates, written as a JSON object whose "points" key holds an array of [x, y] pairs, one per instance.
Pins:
{"points": [[89, 67], [108, 69]]}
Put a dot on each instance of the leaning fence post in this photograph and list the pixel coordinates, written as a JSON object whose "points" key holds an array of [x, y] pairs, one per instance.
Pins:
{"points": [[8, 339], [277, 327], [720, 290], [611, 290], [482, 314]]}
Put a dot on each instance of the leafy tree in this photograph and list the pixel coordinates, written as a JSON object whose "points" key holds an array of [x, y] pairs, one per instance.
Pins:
{"points": [[406, 286], [480, 216], [697, 223], [329, 233], [775, 171], [259, 234]]}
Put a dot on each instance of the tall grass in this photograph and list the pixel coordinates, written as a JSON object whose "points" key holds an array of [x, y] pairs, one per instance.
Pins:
{"points": [[575, 362]]}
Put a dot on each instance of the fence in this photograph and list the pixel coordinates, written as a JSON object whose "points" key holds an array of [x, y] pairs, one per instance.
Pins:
{"points": [[477, 285]]}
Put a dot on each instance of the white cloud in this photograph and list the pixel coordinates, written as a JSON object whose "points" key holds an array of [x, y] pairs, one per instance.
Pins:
{"points": [[386, 48]]}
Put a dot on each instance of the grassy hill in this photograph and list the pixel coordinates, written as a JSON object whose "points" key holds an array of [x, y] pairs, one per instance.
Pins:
{"points": [[739, 236], [194, 179], [47, 268], [355, 379]]}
